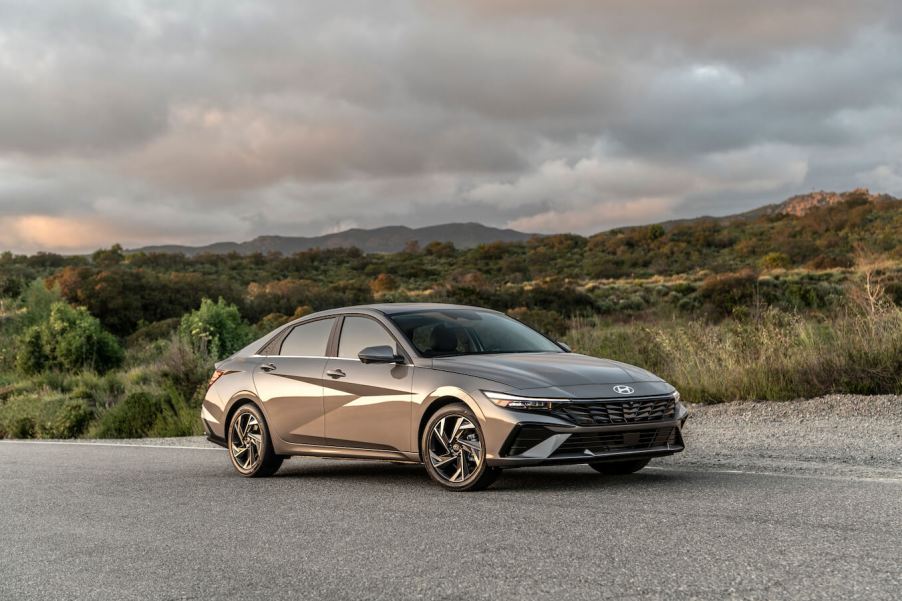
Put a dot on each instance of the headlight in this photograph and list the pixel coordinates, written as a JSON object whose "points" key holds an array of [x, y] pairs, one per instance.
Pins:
{"points": [[676, 396], [512, 401]]}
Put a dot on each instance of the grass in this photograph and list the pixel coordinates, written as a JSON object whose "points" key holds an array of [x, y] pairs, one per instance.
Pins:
{"points": [[776, 356]]}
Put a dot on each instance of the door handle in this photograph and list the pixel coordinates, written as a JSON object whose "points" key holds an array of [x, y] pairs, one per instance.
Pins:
{"points": [[268, 367], [335, 373]]}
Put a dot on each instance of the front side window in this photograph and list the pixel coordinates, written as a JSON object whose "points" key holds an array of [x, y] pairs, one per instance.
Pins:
{"points": [[358, 333], [308, 339], [447, 332]]}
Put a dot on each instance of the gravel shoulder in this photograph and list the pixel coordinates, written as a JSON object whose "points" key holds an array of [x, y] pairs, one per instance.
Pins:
{"points": [[839, 435]]}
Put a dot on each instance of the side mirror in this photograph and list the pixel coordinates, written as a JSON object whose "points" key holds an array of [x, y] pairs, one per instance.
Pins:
{"points": [[564, 346], [379, 354]]}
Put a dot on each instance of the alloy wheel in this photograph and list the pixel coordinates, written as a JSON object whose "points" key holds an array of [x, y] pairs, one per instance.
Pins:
{"points": [[246, 442], [455, 450]]}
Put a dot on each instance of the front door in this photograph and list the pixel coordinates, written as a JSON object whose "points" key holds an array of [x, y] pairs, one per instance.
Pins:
{"points": [[366, 405], [290, 383]]}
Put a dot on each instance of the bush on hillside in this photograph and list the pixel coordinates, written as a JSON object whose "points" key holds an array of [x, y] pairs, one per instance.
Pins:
{"points": [[724, 293], [144, 413], [71, 339], [44, 414], [215, 328], [133, 417]]}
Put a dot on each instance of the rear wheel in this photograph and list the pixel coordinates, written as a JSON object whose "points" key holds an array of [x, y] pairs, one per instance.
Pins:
{"points": [[619, 468], [453, 450], [250, 447]]}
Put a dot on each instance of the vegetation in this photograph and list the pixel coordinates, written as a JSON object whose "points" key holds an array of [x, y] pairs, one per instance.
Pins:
{"points": [[774, 307]]}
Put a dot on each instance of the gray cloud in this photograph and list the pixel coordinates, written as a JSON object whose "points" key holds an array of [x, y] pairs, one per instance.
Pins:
{"points": [[191, 122]]}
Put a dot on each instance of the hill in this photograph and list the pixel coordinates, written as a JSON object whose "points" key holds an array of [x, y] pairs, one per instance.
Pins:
{"points": [[798, 206], [387, 239], [395, 238], [802, 204]]}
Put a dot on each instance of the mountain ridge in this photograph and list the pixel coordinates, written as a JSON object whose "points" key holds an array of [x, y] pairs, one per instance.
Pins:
{"points": [[394, 238], [797, 205], [386, 239]]}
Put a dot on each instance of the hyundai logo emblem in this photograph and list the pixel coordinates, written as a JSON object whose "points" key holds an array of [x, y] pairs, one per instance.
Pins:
{"points": [[623, 389]]}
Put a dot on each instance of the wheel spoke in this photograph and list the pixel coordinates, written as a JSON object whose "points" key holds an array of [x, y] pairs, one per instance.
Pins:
{"points": [[469, 445], [440, 460], [440, 436], [464, 468], [456, 477], [251, 455], [456, 431]]}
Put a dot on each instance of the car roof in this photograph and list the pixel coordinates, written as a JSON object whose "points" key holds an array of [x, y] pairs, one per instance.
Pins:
{"points": [[393, 308], [388, 309]]}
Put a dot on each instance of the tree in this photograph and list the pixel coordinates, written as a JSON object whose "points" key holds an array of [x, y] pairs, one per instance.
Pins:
{"points": [[108, 257], [216, 328], [70, 338]]}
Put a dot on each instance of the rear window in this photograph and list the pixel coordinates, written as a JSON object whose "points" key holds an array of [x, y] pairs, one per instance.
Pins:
{"points": [[308, 339]]}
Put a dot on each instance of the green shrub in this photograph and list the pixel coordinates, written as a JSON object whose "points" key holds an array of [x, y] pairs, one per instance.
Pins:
{"points": [[67, 420], [158, 330], [185, 368], [723, 293], [774, 260], [44, 414], [178, 418], [71, 339], [133, 417], [32, 357], [215, 328], [144, 413]]}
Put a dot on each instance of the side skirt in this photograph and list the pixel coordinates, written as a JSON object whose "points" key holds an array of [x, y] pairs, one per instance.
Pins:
{"points": [[346, 452]]}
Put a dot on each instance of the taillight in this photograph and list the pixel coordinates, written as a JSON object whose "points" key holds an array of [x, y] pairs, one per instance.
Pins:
{"points": [[216, 375]]}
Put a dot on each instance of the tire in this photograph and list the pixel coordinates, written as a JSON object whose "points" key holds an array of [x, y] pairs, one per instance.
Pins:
{"points": [[456, 459], [619, 468], [252, 455]]}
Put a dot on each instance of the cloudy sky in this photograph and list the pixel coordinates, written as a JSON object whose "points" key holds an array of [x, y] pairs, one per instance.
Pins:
{"points": [[192, 122]]}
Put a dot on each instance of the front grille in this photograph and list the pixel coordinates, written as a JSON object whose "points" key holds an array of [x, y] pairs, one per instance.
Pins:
{"points": [[630, 440], [631, 411], [529, 436]]}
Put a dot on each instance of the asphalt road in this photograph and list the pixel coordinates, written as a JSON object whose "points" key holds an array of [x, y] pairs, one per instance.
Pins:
{"points": [[82, 521]]}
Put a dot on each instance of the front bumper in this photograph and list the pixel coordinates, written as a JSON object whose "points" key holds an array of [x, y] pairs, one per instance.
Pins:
{"points": [[540, 444]]}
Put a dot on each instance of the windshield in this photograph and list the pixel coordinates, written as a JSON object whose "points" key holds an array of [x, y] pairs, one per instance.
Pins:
{"points": [[447, 332]]}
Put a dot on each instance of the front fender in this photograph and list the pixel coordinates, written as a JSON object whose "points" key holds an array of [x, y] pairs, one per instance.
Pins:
{"points": [[438, 395]]}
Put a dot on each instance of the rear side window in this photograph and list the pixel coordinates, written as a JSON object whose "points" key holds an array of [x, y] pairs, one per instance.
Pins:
{"points": [[357, 333], [308, 339]]}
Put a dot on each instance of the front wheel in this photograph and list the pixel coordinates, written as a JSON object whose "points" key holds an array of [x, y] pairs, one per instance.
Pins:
{"points": [[619, 468], [250, 447], [453, 450]]}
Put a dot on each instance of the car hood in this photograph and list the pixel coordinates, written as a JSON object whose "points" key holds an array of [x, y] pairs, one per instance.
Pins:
{"points": [[544, 370]]}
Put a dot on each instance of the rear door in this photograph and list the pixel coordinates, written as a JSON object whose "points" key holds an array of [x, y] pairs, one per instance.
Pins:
{"points": [[290, 383], [367, 406]]}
